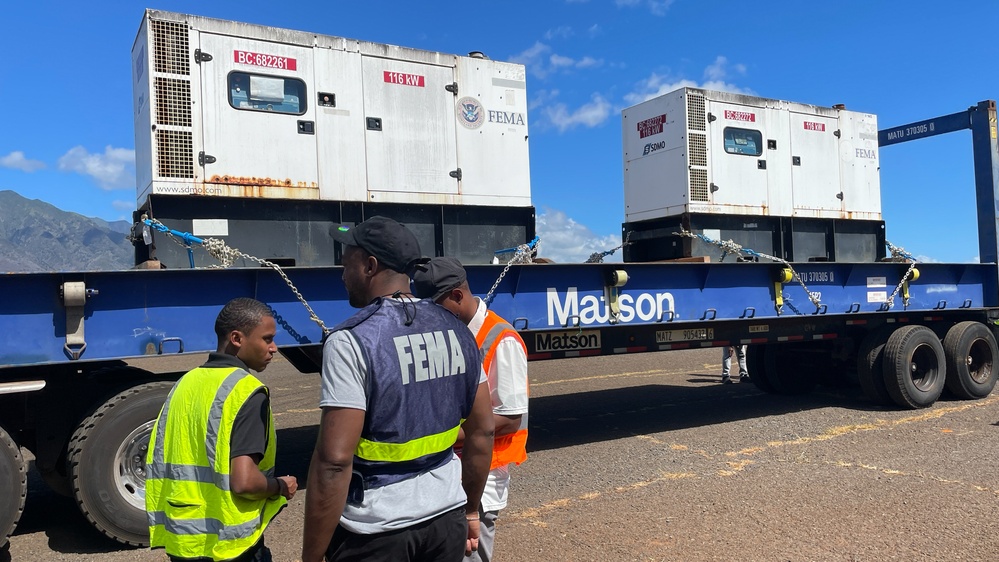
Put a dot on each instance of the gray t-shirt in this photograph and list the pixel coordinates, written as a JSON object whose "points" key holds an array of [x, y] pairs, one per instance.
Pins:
{"points": [[397, 505]]}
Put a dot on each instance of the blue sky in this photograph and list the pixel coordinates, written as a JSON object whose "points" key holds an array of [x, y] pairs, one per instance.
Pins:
{"points": [[65, 89]]}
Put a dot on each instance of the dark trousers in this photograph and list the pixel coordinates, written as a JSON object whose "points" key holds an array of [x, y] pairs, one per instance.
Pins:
{"points": [[256, 553], [441, 539]]}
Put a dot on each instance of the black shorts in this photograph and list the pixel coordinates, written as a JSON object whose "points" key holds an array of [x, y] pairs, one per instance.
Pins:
{"points": [[441, 539]]}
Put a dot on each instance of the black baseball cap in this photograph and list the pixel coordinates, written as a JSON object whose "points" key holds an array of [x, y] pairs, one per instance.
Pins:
{"points": [[437, 277], [392, 244]]}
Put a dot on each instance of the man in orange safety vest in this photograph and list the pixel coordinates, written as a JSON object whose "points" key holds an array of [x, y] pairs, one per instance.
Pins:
{"points": [[504, 359]]}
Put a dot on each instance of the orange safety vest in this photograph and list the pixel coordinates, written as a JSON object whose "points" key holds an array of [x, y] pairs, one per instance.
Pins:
{"points": [[510, 448]]}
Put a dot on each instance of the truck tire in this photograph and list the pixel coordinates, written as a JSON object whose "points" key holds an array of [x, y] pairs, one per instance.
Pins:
{"points": [[757, 368], [107, 461], [914, 367], [786, 369], [13, 486], [870, 361], [971, 352]]}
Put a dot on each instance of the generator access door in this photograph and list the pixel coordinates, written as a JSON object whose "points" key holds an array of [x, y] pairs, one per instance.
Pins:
{"points": [[409, 134], [259, 122], [739, 160]]}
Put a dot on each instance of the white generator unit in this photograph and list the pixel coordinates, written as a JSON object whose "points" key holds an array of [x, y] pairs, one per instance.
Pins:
{"points": [[269, 136], [232, 109], [722, 160], [700, 151]]}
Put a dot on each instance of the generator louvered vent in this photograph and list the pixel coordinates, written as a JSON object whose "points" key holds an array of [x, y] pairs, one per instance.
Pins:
{"points": [[174, 154], [173, 102], [171, 52], [695, 113], [698, 149], [699, 185]]}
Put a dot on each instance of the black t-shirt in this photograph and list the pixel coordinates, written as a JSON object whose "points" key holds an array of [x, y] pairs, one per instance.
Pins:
{"points": [[249, 430]]}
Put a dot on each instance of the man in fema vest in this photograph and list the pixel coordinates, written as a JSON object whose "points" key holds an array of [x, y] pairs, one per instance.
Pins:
{"points": [[504, 359], [400, 379], [210, 487]]}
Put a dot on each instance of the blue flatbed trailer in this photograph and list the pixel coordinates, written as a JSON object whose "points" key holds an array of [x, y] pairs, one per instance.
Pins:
{"points": [[67, 395]]}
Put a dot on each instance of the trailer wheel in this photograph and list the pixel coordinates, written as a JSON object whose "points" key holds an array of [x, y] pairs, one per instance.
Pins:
{"points": [[870, 361], [13, 485], [787, 369], [757, 368], [971, 352], [914, 367], [107, 462]]}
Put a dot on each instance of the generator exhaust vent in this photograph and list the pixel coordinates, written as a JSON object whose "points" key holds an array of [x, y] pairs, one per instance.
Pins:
{"points": [[695, 113], [699, 185]]}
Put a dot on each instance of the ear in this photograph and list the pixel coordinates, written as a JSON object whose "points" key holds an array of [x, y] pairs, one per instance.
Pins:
{"points": [[236, 339], [370, 266]]}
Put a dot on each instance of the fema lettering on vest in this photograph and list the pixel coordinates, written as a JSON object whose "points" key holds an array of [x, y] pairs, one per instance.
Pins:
{"points": [[429, 355]]}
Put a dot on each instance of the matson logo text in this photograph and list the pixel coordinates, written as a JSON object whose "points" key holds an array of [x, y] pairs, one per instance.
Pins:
{"points": [[591, 309]]}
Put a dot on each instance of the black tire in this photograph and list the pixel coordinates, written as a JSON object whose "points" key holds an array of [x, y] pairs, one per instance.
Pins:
{"points": [[13, 485], [914, 367], [870, 361], [787, 370], [107, 462], [756, 368], [971, 352]]}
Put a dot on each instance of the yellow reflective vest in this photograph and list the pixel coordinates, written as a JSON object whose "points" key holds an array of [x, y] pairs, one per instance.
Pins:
{"points": [[191, 510]]}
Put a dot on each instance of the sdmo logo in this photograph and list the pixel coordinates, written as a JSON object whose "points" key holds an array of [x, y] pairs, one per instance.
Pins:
{"points": [[591, 309], [651, 147]]}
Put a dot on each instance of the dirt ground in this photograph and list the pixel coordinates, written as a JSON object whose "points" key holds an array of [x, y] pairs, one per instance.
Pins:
{"points": [[647, 457]]}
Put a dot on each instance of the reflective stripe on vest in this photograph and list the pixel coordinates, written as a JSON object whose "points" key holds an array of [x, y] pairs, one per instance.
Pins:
{"points": [[510, 448], [189, 506], [380, 451]]}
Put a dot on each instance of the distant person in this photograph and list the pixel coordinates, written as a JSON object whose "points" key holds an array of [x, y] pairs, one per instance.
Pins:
{"points": [[210, 488], [398, 379], [740, 352], [504, 359]]}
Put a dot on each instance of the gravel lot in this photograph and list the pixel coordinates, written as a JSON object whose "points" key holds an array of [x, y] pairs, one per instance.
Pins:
{"points": [[648, 457]]}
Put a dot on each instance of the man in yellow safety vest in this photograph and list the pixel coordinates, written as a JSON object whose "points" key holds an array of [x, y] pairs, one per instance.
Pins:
{"points": [[210, 485]]}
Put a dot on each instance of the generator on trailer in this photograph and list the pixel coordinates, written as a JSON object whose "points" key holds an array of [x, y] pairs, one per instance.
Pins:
{"points": [[68, 395]]}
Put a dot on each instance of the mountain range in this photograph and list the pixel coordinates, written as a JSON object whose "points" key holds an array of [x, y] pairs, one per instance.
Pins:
{"points": [[37, 236]]}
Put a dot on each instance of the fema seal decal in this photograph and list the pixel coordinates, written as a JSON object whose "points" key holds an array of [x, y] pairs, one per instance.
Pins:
{"points": [[470, 113]]}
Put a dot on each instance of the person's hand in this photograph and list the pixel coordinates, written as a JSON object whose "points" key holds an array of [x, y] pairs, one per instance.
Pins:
{"points": [[289, 485], [472, 542]]}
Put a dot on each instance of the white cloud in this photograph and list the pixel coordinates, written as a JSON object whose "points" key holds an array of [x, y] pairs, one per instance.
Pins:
{"points": [[594, 30], [559, 61], [719, 70], [115, 169], [588, 115], [17, 161], [123, 205], [560, 32], [657, 7], [541, 61], [542, 97], [566, 241], [715, 74], [534, 59]]}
